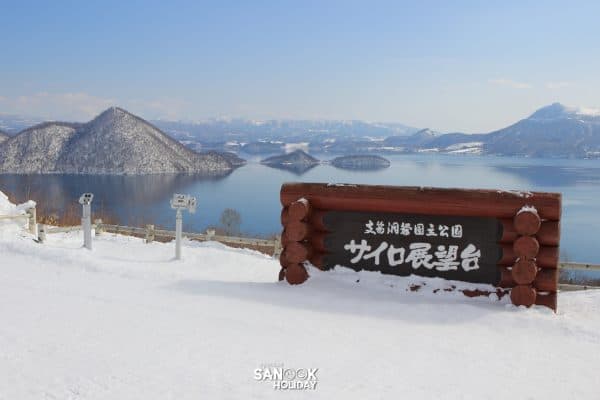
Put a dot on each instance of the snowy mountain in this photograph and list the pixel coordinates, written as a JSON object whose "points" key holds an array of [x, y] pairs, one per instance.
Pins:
{"points": [[3, 136], [555, 131], [223, 130], [115, 142], [417, 139], [552, 131]]}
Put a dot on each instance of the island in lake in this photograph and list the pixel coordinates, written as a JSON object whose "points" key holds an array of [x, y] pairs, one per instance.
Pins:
{"points": [[297, 161], [361, 162]]}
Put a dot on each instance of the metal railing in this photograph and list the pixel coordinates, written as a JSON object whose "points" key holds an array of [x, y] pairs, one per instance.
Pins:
{"points": [[30, 215], [150, 233]]}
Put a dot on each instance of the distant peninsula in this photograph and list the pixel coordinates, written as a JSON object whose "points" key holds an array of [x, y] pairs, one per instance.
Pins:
{"points": [[361, 162]]}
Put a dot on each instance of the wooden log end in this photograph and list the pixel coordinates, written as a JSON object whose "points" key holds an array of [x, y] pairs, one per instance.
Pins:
{"points": [[299, 210], [526, 247], [295, 231], [527, 223], [524, 271], [297, 252], [285, 217], [283, 261], [546, 280], [523, 295], [296, 274]]}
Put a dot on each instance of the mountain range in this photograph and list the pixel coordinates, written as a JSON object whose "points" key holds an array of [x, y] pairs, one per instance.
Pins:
{"points": [[242, 130], [115, 142], [552, 131]]}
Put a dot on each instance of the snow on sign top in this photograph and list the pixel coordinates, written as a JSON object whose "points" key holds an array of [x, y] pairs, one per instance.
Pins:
{"points": [[508, 239], [527, 208]]}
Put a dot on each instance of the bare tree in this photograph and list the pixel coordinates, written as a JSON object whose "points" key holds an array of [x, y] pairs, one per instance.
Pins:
{"points": [[231, 220]]}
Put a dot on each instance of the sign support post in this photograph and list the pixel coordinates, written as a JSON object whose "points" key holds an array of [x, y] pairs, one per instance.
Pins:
{"points": [[178, 223], [181, 202], [86, 219]]}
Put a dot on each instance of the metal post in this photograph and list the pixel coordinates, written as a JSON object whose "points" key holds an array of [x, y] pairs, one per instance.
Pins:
{"points": [[32, 221], [99, 230], [41, 233], [149, 233], [181, 202], [277, 246], [178, 223], [210, 234], [86, 224]]}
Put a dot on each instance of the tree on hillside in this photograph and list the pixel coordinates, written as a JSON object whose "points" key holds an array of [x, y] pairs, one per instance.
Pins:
{"points": [[231, 220]]}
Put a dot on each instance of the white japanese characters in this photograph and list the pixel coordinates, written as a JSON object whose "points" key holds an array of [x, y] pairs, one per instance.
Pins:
{"points": [[443, 258], [408, 229]]}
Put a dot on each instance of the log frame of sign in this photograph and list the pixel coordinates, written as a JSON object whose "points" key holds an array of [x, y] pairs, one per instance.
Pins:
{"points": [[296, 249], [530, 228]]}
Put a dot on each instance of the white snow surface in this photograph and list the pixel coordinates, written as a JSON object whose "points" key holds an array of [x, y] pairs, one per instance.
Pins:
{"points": [[126, 321]]}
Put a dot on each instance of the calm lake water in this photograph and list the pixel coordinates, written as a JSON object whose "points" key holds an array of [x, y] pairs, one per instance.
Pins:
{"points": [[253, 190]]}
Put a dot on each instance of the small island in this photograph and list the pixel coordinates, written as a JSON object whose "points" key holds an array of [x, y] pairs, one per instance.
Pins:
{"points": [[361, 162], [297, 161]]}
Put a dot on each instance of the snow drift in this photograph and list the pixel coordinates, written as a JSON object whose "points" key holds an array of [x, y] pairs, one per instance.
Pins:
{"points": [[127, 321]]}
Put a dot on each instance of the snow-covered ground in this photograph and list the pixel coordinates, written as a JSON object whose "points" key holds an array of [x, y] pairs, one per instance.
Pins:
{"points": [[126, 321]]}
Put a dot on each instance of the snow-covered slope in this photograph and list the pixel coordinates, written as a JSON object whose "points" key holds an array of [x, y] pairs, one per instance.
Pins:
{"points": [[126, 321], [3, 136], [115, 142], [37, 149]]}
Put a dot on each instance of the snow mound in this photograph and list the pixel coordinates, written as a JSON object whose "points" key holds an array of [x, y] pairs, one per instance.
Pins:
{"points": [[8, 227], [127, 321]]}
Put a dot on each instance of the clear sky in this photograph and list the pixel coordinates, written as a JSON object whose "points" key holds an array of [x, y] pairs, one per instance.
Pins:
{"points": [[448, 65]]}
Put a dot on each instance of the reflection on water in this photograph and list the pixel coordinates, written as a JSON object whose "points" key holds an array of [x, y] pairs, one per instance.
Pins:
{"points": [[253, 190], [552, 176], [298, 169]]}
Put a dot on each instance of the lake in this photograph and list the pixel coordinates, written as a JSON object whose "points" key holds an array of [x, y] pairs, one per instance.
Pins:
{"points": [[253, 190]]}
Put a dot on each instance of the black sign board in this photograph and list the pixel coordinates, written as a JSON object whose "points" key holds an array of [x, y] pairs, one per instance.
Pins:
{"points": [[455, 248]]}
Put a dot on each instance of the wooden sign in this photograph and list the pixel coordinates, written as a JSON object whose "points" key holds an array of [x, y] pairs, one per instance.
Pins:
{"points": [[503, 238]]}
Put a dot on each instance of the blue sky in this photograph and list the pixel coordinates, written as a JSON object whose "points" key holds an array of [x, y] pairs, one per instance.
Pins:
{"points": [[449, 65]]}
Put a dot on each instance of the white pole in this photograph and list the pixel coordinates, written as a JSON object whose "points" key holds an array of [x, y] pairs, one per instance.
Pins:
{"points": [[86, 224], [178, 220]]}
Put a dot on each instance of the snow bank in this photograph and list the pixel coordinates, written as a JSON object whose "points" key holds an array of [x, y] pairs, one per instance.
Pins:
{"points": [[126, 321], [10, 227]]}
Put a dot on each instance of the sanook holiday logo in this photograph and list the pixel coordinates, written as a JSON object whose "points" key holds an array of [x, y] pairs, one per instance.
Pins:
{"points": [[283, 378]]}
